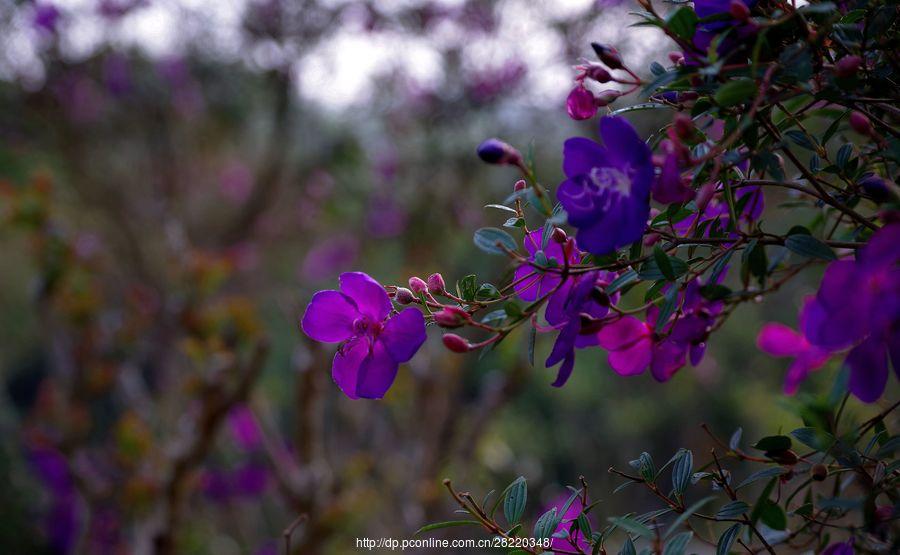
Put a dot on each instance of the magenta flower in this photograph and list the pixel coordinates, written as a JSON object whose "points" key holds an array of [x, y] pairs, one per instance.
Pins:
{"points": [[573, 539], [373, 342], [858, 306], [633, 346], [580, 103], [574, 309], [531, 284], [607, 191], [781, 341]]}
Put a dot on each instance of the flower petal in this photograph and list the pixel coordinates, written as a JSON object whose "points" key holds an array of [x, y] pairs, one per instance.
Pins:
{"points": [[622, 333], [329, 317], [565, 370], [623, 144], [868, 369], [404, 334], [633, 359], [370, 297], [580, 155], [780, 341], [668, 358], [345, 367], [376, 373]]}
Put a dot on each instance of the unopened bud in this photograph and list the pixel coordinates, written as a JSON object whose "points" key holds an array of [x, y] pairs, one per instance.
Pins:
{"points": [[417, 284], [676, 58], [847, 66], [451, 317], [819, 472], [786, 457], [456, 343], [608, 55], [598, 73], [495, 151], [875, 187], [580, 103], [436, 284], [860, 123], [520, 185], [404, 296], [607, 96], [559, 235], [739, 10]]}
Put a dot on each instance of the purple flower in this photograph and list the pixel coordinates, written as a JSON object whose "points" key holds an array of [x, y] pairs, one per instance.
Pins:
{"points": [[739, 32], [781, 341], [607, 191], [531, 284], [573, 539], [842, 548], [244, 429], [46, 17], [572, 309], [669, 187], [633, 346], [373, 342], [858, 306]]}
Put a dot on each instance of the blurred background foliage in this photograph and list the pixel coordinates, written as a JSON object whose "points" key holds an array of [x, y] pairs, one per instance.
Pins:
{"points": [[177, 179]]}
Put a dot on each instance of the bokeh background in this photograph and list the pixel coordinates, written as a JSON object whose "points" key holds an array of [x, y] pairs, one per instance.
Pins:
{"points": [[177, 177]]}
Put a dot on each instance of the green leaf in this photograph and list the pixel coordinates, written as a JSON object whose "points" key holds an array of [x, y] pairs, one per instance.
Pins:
{"points": [[628, 548], [447, 524], [678, 544], [631, 526], [514, 503], [644, 464], [682, 471], [532, 336], [765, 473], [733, 509], [801, 139], [625, 279], [688, 513], [735, 92], [667, 308], [843, 155], [819, 440], [487, 292], [492, 240], [772, 515], [545, 525], [735, 440], [773, 443], [501, 207], [651, 271], [809, 246], [726, 540], [466, 287], [664, 263], [683, 22]]}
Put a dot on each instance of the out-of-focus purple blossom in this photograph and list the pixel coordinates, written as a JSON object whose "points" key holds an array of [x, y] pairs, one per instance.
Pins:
{"points": [[488, 84], [45, 17], [79, 97], [840, 548], [329, 257], [373, 343], [385, 217], [250, 479], [607, 191], [236, 182], [531, 284], [117, 75], [216, 485], [62, 522], [244, 428]]}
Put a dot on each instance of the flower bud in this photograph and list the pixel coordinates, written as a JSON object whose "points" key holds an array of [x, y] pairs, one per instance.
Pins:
{"points": [[860, 123], [598, 73], [875, 187], [847, 66], [495, 151], [819, 472], [559, 235], [404, 296], [580, 103], [451, 317], [436, 284], [739, 10], [417, 284], [456, 343], [607, 96], [676, 58], [608, 55], [520, 185]]}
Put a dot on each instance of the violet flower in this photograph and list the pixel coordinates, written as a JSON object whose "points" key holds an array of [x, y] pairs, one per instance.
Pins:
{"points": [[669, 187], [858, 306], [574, 538], [571, 309], [373, 342], [531, 284], [607, 191], [782, 341]]}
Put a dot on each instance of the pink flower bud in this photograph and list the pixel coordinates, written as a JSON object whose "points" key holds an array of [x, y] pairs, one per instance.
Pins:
{"points": [[456, 343], [684, 126], [436, 284], [417, 284], [404, 296], [580, 103], [559, 236], [739, 10], [598, 73], [451, 317], [608, 55], [520, 185], [607, 96], [847, 66], [676, 58], [860, 123]]}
